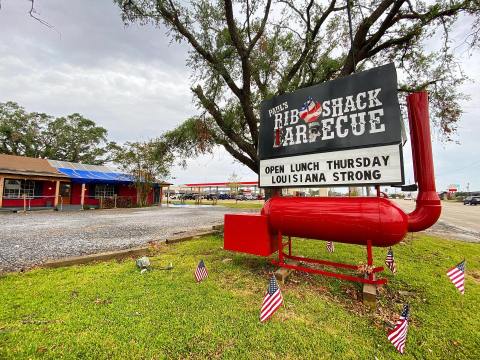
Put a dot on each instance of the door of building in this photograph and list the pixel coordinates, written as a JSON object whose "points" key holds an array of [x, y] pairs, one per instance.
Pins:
{"points": [[65, 193], [156, 195]]}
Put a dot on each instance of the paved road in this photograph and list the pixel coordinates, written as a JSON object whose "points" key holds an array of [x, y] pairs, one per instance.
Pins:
{"points": [[29, 239], [457, 221]]}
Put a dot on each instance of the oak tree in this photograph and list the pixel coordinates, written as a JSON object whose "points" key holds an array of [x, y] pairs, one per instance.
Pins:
{"points": [[146, 162], [244, 51], [71, 138]]}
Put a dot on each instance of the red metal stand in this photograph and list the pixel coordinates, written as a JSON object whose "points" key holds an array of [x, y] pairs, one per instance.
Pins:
{"points": [[370, 279]]}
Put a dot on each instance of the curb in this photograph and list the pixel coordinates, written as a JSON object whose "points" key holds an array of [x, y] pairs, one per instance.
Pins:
{"points": [[79, 260], [121, 254], [189, 237]]}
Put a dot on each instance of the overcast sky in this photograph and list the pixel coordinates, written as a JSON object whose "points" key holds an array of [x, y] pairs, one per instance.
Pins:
{"points": [[132, 81]]}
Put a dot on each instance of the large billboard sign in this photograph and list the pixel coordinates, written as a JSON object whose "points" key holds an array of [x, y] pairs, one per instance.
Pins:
{"points": [[343, 132]]}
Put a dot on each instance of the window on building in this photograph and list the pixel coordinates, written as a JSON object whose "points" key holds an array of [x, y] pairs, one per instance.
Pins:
{"points": [[104, 190], [14, 189]]}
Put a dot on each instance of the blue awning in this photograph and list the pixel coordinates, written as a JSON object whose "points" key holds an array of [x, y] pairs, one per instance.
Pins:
{"points": [[85, 176]]}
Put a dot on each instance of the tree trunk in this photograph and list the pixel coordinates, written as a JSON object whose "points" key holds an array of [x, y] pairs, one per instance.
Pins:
{"points": [[271, 192]]}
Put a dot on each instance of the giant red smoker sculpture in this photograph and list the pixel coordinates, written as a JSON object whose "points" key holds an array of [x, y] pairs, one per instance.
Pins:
{"points": [[370, 221]]}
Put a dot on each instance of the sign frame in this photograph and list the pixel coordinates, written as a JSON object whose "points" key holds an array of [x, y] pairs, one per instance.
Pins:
{"points": [[353, 84]]}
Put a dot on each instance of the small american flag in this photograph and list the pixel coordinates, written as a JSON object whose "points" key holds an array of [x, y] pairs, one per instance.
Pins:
{"points": [[457, 276], [390, 261], [330, 246], [398, 336], [272, 301], [310, 110], [201, 271]]}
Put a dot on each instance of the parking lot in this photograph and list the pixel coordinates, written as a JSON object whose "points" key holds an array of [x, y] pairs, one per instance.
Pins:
{"points": [[29, 239]]}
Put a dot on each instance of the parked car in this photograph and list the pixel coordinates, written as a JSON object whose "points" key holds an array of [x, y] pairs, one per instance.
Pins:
{"points": [[240, 197], [223, 196], [471, 200], [188, 196], [249, 197], [211, 196]]}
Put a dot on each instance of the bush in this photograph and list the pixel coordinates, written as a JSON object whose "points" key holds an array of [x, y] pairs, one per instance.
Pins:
{"points": [[123, 202]]}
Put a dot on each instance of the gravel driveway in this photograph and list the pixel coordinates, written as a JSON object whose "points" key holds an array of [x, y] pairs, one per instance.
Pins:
{"points": [[29, 239]]}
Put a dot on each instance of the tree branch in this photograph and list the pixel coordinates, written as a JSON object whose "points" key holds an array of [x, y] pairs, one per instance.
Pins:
{"points": [[245, 93], [262, 27], [232, 29], [238, 155], [307, 47], [172, 18], [217, 116]]}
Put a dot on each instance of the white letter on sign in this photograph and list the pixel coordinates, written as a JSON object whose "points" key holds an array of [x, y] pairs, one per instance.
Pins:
{"points": [[375, 121]]}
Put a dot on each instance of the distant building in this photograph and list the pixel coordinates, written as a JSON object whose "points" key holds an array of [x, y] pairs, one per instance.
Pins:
{"points": [[31, 182]]}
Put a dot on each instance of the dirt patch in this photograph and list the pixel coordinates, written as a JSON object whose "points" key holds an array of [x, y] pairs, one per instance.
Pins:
{"points": [[475, 276]]}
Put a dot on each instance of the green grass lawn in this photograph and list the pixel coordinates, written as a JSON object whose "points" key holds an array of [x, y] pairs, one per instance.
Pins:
{"points": [[248, 204], [111, 311]]}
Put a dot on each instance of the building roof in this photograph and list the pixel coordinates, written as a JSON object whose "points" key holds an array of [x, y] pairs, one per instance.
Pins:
{"points": [[27, 166], [85, 173], [86, 167], [76, 172]]}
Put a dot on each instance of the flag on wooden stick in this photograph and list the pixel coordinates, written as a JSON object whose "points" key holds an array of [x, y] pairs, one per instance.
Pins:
{"points": [[398, 336], [272, 301], [201, 271], [390, 261], [330, 246], [457, 276]]}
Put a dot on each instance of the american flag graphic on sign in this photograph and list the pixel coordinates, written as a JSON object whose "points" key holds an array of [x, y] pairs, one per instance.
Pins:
{"points": [[272, 300], [457, 276], [398, 336], [310, 110], [201, 271], [330, 246], [390, 261]]}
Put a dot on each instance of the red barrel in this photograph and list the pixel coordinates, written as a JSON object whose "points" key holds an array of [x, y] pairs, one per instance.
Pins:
{"points": [[347, 220]]}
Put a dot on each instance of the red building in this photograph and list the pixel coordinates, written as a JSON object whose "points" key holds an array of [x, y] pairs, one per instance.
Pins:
{"points": [[30, 182]]}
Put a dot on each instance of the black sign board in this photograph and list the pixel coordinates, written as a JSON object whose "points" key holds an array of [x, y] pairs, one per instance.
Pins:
{"points": [[356, 111]]}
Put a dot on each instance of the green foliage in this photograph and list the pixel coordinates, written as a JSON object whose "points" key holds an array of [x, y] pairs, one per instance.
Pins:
{"points": [[72, 138], [189, 139], [145, 162], [242, 52], [20, 131], [111, 311]]}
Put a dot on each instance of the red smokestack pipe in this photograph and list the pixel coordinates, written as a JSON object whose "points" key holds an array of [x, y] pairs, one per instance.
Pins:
{"points": [[428, 207]]}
